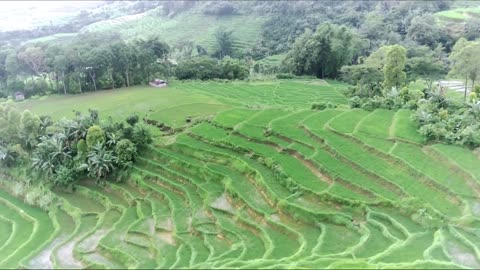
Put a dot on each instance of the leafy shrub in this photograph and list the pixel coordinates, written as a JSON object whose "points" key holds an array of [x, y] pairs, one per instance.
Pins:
{"points": [[202, 68], [323, 105], [36, 87], [141, 135], [355, 102], [233, 68], [95, 135], [132, 119], [125, 151], [285, 76], [64, 176], [206, 68]]}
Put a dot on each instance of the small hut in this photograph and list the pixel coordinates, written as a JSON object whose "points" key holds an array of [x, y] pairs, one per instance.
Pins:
{"points": [[158, 83], [19, 96]]}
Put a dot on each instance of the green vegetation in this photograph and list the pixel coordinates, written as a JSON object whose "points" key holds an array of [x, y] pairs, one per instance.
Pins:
{"points": [[259, 187], [244, 158]]}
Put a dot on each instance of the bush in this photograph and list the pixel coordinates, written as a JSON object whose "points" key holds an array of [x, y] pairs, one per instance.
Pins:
{"points": [[323, 105], [473, 97], [355, 102], [125, 151], [132, 119], [141, 135], [233, 69], [285, 76], [82, 147], [206, 68], [200, 68], [476, 90], [64, 176], [36, 87], [95, 135]]}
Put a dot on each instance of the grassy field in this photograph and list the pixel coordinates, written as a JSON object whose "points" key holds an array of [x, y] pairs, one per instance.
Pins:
{"points": [[173, 105], [261, 180]]}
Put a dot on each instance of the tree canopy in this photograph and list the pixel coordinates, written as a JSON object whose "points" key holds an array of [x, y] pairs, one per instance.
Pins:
{"points": [[322, 53]]}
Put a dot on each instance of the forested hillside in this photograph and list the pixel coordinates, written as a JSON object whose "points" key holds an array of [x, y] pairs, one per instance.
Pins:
{"points": [[248, 31]]}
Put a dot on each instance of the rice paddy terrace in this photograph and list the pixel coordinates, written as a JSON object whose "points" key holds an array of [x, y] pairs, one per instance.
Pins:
{"points": [[273, 185]]}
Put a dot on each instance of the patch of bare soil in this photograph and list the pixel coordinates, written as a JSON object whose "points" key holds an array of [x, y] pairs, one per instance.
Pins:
{"points": [[65, 253], [223, 204], [42, 260], [460, 256], [91, 242], [166, 237], [165, 224], [476, 208]]}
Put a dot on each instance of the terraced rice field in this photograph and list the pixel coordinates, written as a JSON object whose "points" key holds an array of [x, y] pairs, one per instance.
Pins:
{"points": [[194, 26], [267, 182]]}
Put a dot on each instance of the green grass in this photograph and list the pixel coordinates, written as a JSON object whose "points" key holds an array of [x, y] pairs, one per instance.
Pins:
{"points": [[338, 239], [348, 122], [462, 157], [405, 128], [230, 118], [377, 124], [432, 168], [176, 116], [411, 250], [120, 103], [376, 243], [27, 236]]}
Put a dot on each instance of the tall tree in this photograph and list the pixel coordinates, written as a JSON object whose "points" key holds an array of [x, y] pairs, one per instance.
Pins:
{"points": [[322, 53], [123, 60], [424, 30], [224, 42], [393, 71], [60, 66], [34, 58]]}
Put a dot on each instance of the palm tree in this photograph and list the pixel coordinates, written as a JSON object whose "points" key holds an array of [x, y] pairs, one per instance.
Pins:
{"points": [[111, 139], [474, 109], [50, 153], [100, 162], [424, 117]]}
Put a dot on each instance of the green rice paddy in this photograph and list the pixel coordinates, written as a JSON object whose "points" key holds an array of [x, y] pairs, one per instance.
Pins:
{"points": [[259, 180]]}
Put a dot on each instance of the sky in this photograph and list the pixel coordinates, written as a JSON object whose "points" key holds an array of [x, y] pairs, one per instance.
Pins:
{"points": [[17, 15]]}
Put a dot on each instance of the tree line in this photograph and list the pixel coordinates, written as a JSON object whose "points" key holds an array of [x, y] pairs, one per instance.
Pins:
{"points": [[95, 61]]}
